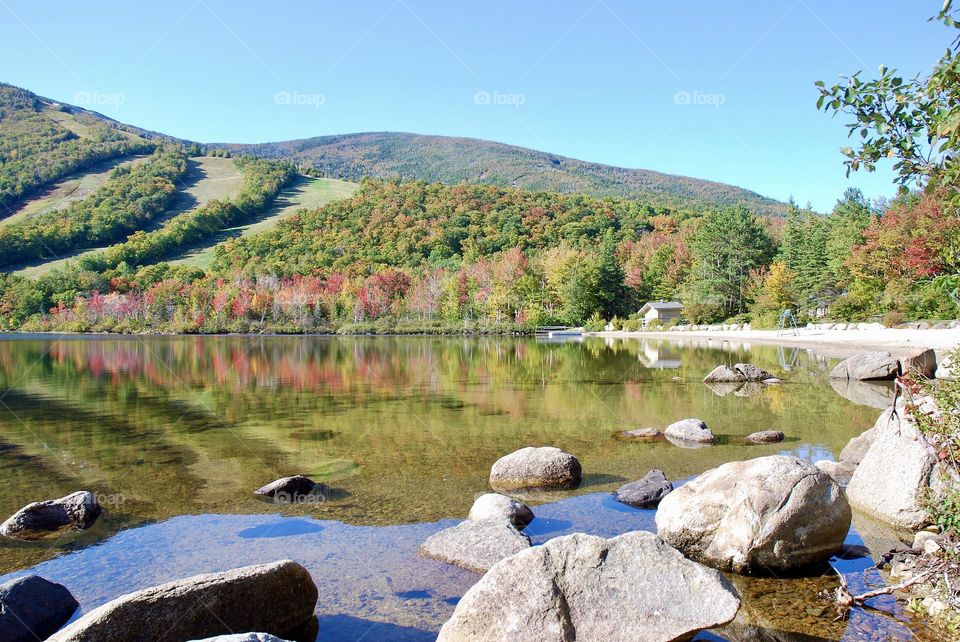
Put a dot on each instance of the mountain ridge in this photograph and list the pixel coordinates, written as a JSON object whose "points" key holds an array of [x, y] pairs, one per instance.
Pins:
{"points": [[453, 159]]}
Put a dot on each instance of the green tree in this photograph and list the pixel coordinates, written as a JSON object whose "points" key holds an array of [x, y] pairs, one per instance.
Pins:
{"points": [[804, 253], [611, 293], [726, 247], [851, 216]]}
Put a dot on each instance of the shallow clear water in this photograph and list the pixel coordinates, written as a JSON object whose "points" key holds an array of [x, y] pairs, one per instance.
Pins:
{"points": [[175, 433]]}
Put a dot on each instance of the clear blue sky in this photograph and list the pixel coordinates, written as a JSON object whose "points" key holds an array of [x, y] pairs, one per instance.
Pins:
{"points": [[594, 80]]}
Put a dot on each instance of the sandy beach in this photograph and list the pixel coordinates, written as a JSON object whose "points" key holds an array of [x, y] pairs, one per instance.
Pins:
{"points": [[834, 343]]}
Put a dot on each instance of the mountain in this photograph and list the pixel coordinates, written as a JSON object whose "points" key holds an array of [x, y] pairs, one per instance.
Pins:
{"points": [[449, 160], [38, 126]]}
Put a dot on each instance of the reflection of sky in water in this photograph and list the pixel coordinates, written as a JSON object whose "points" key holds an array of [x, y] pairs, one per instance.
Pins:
{"points": [[370, 580]]}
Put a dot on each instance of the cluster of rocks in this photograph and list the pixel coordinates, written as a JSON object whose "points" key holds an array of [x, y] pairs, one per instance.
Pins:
{"points": [[492, 530], [740, 373], [913, 325], [693, 433], [767, 516], [883, 366], [741, 380]]}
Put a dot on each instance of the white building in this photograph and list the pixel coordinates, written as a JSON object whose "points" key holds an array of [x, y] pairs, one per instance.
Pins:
{"points": [[662, 311]]}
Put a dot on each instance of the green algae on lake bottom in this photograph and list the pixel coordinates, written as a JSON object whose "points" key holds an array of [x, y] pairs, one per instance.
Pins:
{"points": [[402, 431]]}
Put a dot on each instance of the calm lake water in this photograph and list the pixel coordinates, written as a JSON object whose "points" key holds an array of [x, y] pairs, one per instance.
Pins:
{"points": [[174, 434]]}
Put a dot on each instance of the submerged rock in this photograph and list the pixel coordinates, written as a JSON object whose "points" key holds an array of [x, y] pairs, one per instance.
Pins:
{"points": [[693, 430], [531, 468], [761, 516], [274, 598], [39, 520], [32, 608], [639, 434], [475, 545], [897, 471], [288, 489], [866, 366], [646, 492], [491, 505], [580, 587], [766, 437]]}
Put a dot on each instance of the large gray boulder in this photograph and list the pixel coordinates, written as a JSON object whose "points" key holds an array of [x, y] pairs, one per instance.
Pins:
{"points": [[53, 517], [491, 505], [897, 471], [32, 608], [536, 468], [475, 545], [920, 361], [867, 366], [692, 430], [646, 492], [762, 516], [273, 598], [630, 588]]}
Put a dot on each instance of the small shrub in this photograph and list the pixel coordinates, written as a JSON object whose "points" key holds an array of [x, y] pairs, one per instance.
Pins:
{"points": [[893, 318]]}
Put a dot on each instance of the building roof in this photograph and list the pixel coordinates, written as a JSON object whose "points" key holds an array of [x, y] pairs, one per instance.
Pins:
{"points": [[661, 305]]}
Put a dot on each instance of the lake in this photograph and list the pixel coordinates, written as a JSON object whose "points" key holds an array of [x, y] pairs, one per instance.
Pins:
{"points": [[174, 434]]}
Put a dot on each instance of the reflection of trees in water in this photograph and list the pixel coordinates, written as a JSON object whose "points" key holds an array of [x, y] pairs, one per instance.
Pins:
{"points": [[406, 427]]}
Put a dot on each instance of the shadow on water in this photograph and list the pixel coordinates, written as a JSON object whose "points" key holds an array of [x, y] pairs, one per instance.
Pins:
{"points": [[281, 528], [346, 628], [543, 526]]}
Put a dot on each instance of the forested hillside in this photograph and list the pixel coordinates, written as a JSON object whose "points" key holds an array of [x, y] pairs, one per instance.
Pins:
{"points": [[402, 255], [428, 257], [451, 160], [42, 141]]}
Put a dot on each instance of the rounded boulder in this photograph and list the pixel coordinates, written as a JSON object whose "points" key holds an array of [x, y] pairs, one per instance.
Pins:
{"points": [[536, 468], [757, 517]]}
